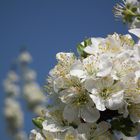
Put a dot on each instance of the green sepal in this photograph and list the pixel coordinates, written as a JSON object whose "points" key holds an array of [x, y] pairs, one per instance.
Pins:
{"points": [[80, 47], [87, 42], [80, 50], [38, 122]]}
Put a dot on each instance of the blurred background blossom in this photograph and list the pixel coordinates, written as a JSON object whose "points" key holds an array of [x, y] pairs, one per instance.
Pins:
{"points": [[17, 87]]}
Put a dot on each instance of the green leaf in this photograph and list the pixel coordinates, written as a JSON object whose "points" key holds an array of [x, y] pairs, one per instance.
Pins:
{"points": [[80, 50], [87, 42], [125, 125], [38, 122], [80, 47]]}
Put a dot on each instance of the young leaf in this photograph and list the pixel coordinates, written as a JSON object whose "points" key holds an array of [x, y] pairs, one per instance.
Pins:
{"points": [[38, 122]]}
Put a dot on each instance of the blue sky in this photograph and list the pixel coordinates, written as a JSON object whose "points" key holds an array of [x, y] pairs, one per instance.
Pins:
{"points": [[47, 27]]}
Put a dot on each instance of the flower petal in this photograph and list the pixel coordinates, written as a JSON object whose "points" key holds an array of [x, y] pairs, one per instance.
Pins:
{"points": [[70, 113], [115, 101], [53, 127], [89, 50], [135, 31], [98, 102], [77, 70], [89, 114], [91, 86]]}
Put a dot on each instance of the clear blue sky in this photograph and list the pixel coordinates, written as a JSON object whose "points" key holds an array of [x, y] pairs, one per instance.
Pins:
{"points": [[47, 27]]}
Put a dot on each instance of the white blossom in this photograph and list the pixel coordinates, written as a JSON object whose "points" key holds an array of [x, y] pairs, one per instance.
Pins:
{"points": [[33, 93], [13, 113], [93, 96], [104, 93], [36, 136], [25, 57]]}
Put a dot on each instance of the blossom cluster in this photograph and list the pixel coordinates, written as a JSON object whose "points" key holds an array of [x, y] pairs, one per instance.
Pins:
{"points": [[31, 90], [95, 96], [21, 84], [12, 110], [129, 12]]}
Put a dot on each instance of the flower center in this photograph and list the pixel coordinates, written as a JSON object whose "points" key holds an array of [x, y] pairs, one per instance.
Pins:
{"points": [[105, 93], [69, 137], [81, 100]]}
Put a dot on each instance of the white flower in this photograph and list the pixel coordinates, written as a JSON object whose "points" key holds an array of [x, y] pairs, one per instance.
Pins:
{"points": [[34, 135], [59, 83], [11, 87], [65, 60], [132, 84], [129, 12], [94, 47], [97, 65], [92, 66], [39, 137], [70, 113], [78, 103], [77, 69], [29, 76], [105, 93], [49, 135], [52, 126], [86, 94], [65, 57], [96, 131], [53, 130], [87, 113], [72, 134], [112, 44], [33, 93], [25, 57], [104, 66], [123, 66], [12, 76], [13, 113], [21, 136]]}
